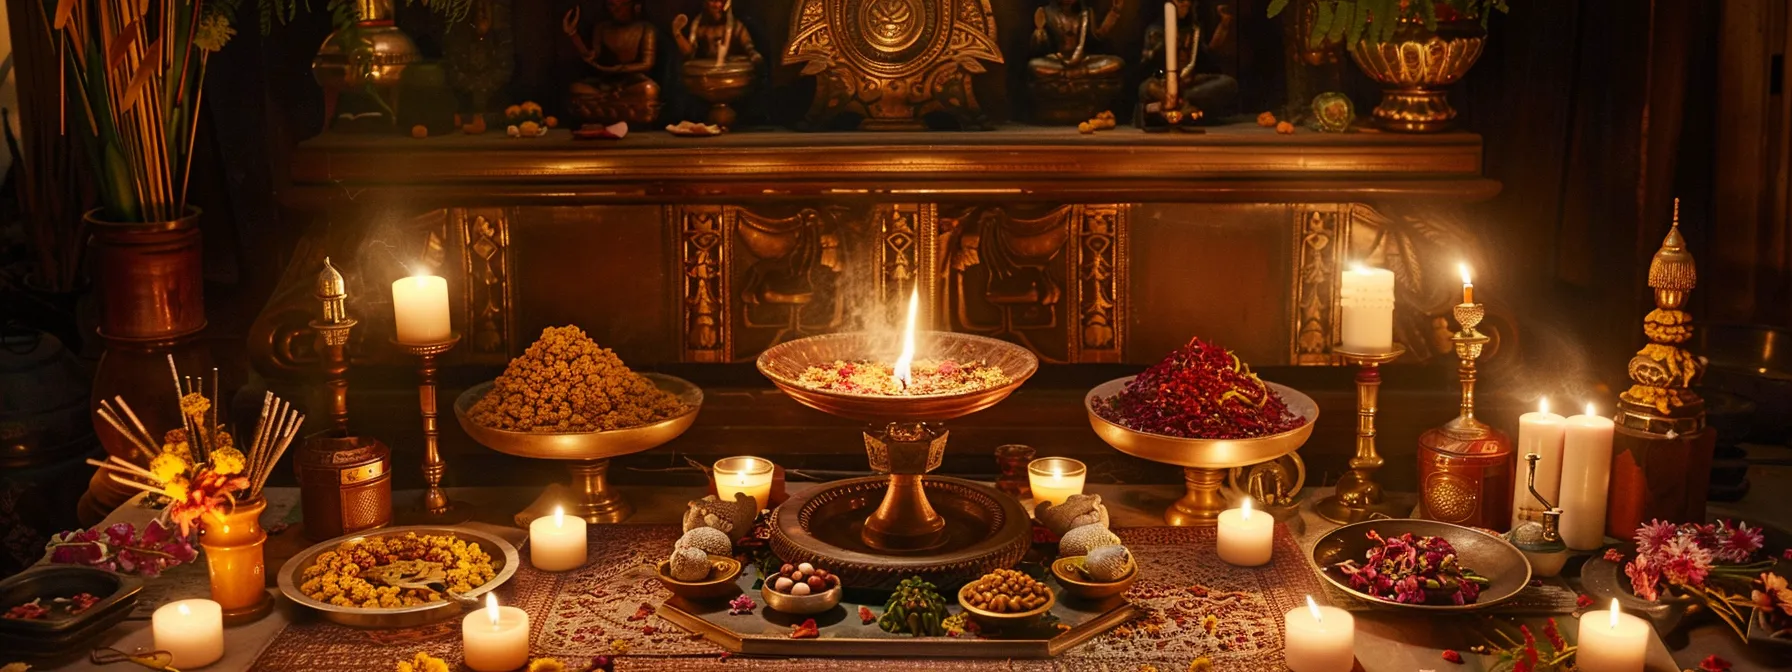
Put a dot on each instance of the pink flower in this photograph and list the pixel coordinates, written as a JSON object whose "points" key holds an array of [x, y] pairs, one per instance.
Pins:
{"points": [[1614, 556], [1712, 663], [1686, 562], [1653, 535], [1735, 545], [1644, 579]]}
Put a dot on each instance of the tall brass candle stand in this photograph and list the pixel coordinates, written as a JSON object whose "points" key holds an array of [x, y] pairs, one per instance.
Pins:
{"points": [[437, 508], [1358, 495], [1465, 466]]}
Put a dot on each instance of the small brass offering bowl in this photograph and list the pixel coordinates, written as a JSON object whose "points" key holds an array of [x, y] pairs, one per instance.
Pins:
{"points": [[997, 620], [1070, 576], [719, 584], [1505, 567], [802, 605]]}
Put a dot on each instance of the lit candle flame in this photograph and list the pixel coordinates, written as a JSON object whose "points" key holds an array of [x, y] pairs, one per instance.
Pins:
{"points": [[1358, 268], [1543, 405], [1314, 607], [1468, 286], [491, 608], [1057, 475], [1463, 268], [1592, 410], [559, 516], [1246, 515], [1614, 613], [901, 372]]}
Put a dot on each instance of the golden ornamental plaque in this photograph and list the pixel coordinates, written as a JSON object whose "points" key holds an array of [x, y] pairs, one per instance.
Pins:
{"points": [[893, 62]]}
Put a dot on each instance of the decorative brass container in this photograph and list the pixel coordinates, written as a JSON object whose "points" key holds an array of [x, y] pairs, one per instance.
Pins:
{"points": [[1204, 461], [380, 62], [1414, 66], [721, 86], [233, 542], [587, 453]]}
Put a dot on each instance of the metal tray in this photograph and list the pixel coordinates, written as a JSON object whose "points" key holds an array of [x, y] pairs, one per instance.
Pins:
{"points": [[504, 559], [1490, 556], [767, 633]]}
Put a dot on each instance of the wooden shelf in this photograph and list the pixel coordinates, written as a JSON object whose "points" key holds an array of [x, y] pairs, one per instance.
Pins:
{"points": [[1234, 163]]}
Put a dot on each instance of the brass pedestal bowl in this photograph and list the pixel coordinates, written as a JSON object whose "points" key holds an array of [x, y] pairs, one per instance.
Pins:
{"points": [[587, 453], [721, 85], [879, 530], [1204, 461], [985, 530]]}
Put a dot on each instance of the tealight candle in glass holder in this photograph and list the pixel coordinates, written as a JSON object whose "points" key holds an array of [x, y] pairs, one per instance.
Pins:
{"points": [[751, 475], [1055, 479]]}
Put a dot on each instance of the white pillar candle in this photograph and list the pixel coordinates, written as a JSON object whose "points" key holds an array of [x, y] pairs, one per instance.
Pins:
{"points": [[420, 309], [1319, 639], [1540, 433], [751, 475], [190, 630], [1246, 537], [496, 639], [1611, 641], [557, 543], [1055, 479], [1171, 80], [1586, 474], [1366, 297]]}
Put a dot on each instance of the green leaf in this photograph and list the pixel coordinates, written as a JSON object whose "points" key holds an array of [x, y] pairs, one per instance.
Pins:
{"points": [[1276, 7], [1322, 22]]}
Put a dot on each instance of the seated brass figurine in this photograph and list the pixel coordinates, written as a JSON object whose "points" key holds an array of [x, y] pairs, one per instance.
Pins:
{"points": [[720, 63], [1198, 92], [1068, 83], [621, 53]]}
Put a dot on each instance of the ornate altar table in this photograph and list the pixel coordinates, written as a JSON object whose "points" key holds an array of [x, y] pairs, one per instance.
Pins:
{"points": [[1384, 642]]}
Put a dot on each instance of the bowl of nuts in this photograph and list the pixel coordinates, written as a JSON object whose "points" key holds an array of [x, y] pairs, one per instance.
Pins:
{"points": [[719, 583], [1005, 598], [801, 589]]}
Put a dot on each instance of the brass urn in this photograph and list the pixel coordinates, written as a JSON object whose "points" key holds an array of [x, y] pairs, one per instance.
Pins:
{"points": [[1413, 68], [384, 53]]}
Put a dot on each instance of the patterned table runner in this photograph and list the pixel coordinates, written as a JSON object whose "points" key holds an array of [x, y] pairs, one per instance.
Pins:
{"points": [[1193, 605]]}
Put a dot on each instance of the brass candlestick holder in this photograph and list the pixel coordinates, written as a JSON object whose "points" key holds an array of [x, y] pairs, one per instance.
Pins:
{"points": [[332, 340], [345, 481], [436, 506], [1465, 466], [1358, 496]]}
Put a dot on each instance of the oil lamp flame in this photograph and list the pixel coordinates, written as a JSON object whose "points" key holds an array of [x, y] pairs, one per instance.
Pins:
{"points": [[491, 608], [1314, 608], [901, 370]]}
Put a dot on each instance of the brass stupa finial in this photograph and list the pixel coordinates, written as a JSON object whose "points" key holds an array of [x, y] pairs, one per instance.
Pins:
{"points": [[332, 290], [1660, 399]]}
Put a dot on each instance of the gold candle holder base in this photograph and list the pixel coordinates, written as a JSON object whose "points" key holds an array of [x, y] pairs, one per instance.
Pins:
{"points": [[436, 508], [1203, 498], [597, 501], [1358, 497]]}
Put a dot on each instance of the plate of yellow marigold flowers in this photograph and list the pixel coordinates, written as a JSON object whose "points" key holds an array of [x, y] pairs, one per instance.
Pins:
{"points": [[568, 398], [398, 577]]}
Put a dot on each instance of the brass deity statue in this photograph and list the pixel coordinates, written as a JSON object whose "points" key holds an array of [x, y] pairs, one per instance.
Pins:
{"points": [[720, 63], [1069, 84], [1197, 92], [621, 53]]}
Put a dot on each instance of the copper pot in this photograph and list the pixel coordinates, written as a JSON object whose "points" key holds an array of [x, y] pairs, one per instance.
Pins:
{"points": [[1414, 66]]}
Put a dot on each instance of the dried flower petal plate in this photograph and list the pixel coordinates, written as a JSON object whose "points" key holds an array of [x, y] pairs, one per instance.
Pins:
{"points": [[1505, 567], [504, 562], [117, 594]]}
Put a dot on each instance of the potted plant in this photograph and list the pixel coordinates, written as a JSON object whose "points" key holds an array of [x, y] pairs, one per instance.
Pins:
{"points": [[1413, 48]]}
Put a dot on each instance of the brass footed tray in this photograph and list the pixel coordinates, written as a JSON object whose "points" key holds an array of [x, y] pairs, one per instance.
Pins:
{"points": [[767, 633], [986, 530], [587, 453], [1204, 461]]}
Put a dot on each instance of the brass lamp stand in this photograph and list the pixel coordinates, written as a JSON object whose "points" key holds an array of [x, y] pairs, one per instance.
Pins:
{"points": [[436, 506], [1358, 496]]}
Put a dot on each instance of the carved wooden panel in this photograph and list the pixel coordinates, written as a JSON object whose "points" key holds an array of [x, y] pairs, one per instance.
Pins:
{"points": [[485, 261], [702, 235]]}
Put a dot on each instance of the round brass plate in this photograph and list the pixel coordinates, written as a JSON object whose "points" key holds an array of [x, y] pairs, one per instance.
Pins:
{"points": [[986, 530], [1203, 453], [1490, 556], [785, 363], [504, 560], [583, 445]]}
